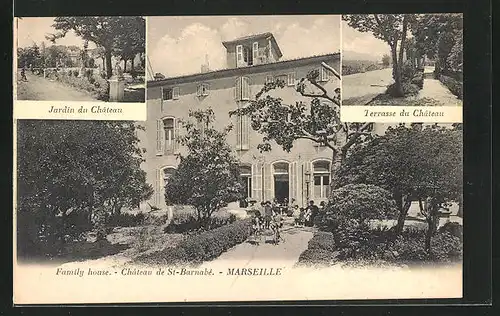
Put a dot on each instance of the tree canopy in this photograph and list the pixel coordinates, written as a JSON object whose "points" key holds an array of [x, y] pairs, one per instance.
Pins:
{"points": [[208, 177], [113, 34]]}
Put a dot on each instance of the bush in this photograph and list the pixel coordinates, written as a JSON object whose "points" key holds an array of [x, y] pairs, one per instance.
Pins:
{"points": [[126, 220], [205, 246], [418, 80], [316, 257], [454, 229], [186, 221], [322, 240], [97, 86], [455, 86], [409, 89]]}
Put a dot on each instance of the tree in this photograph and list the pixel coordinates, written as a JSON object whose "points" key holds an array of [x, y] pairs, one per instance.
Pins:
{"points": [[413, 163], [102, 31], [319, 122], [131, 42], [29, 56], [440, 36], [77, 167], [386, 60], [208, 177], [392, 29]]}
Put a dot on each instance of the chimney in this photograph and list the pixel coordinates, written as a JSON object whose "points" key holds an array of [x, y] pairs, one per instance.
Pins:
{"points": [[206, 66]]}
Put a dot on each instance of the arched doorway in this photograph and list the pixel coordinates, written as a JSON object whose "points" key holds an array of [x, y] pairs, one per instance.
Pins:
{"points": [[281, 181]]}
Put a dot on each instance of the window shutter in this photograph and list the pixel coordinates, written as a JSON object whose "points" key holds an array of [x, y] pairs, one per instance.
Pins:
{"points": [[176, 134], [255, 52], [198, 90], [160, 137], [291, 79], [257, 182], [206, 88], [238, 132], [161, 104], [293, 181], [269, 79], [245, 131], [239, 54], [158, 188], [245, 88], [175, 93], [237, 89], [268, 182], [324, 74]]}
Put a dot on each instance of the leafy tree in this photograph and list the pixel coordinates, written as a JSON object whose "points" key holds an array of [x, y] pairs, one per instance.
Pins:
{"points": [[208, 177], [29, 56], [77, 167], [318, 122], [386, 60], [105, 32], [131, 42], [413, 163], [392, 29], [55, 55], [440, 37]]}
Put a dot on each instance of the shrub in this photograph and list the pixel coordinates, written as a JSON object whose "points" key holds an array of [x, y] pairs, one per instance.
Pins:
{"points": [[126, 220], [186, 221], [418, 80], [409, 89], [97, 86], [454, 229], [205, 246], [455, 86], [316, 257], [322, 240]]}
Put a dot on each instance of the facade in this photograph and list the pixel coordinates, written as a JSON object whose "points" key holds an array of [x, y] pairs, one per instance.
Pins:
{"points": [[302, 174]]}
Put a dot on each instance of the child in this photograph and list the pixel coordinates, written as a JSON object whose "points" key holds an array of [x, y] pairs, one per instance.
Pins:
{"points": [[296, 215]]}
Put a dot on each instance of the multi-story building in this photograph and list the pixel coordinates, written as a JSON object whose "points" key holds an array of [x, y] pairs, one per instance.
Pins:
{"points": [[301, 174]]}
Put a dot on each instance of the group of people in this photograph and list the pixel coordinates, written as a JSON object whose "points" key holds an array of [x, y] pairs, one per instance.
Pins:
{"points": [[305, 216]]}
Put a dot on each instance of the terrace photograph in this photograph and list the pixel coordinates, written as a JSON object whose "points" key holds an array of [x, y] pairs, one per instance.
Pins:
{"points": [[402, 59], [81, 59]]}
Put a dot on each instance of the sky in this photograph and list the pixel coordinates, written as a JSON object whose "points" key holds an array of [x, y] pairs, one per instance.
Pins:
{"points": [[179, 45], [33, 30], [357, 45]]}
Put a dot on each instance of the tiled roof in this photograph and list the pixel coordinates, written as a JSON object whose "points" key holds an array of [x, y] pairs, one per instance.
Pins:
{"points": [[220, 72]]}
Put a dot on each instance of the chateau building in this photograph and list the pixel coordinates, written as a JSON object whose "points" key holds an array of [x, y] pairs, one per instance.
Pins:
{"points": [[302, 174]]}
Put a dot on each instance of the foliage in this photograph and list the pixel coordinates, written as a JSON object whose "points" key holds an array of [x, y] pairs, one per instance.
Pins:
{"points": [[411, 162], [96, 85], [350, 210], [350, 67], [386, 60], [390, 28], [131, 41], [73, 167], [29, 56], [319, 121], [208, 177], [186, 221], [126, 220], [455, 86], [108, 32], [409, 89], [454, 229], [206, 246]]}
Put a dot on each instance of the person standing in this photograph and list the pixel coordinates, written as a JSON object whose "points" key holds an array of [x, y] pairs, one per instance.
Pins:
{"points": [[312, 211], [268, 214]]}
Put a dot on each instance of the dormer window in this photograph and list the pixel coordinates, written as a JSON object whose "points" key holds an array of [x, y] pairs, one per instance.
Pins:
{"points": [[202, 90]]}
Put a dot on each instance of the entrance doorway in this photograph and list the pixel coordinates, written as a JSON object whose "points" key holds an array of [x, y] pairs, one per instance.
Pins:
{"points": [[281, 182]]}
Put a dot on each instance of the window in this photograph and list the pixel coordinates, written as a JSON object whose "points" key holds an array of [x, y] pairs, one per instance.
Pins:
{"points": [[324, 74], [255, 52], [170, 93], [167, 174], [291, 79], [239, 55], [283, 78], [321, 179], [269, 79], [203, 89], [166, 133], [242, 89], [246, 177]]}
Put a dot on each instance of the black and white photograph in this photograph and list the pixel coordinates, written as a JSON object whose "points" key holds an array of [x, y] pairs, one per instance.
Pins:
{"points": [[81, 58], [402, 59], [243, 177]]}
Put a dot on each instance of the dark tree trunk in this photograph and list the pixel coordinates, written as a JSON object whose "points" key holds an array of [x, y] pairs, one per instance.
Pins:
{"points": [[460, 212], [132, 67], [396, 70], [404, 204], [109, 67], [124, 65], [336, 163], [431, 215]]}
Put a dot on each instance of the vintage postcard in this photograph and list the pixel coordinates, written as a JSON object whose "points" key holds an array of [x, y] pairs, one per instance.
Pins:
{"points": [[80, 68], [242, 182]]}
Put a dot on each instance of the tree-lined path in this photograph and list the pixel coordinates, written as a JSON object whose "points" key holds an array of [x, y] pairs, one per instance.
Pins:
{"points": [[436, 90], [42, 89]]}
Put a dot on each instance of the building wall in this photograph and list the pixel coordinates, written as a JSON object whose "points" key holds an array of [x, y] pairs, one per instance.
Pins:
{"points": [[221, 100]]}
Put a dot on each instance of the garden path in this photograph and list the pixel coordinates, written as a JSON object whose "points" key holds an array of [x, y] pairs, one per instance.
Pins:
{"points": [[42, 89], [436, 90]]}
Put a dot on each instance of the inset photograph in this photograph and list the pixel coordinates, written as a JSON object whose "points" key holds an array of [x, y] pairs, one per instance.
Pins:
{"points": [[402, 59], [81, 58]]}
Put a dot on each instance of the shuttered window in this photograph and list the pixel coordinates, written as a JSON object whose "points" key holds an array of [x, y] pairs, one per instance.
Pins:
{"points": [[324, 74], [242, 89], [255, 52], [239, 54], [175, 93], [257, 181], [202, 90], [291, 79], [242, 131], [167, 132]]}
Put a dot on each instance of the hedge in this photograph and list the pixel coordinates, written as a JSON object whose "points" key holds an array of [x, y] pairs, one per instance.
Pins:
{"points": [[205, 246], [186, 221], [455, 86]]}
